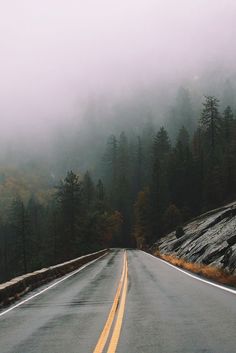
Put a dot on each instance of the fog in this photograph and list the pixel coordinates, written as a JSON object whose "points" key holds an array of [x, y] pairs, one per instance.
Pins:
{"points": [[104, 137], [60, 58]]}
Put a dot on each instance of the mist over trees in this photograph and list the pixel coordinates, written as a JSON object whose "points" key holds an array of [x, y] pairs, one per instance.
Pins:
{"points": [[137, 184], [125, 171], [118, 124]]}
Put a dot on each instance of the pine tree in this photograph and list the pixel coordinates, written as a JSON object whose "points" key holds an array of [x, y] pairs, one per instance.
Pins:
{"points": [[69, 199], [161, 144], [161, 153], [159, 183], [180, 172], [147, 139], [210, 120], [123, 155], [123, 194], [110, 161], [88, 190], [139, 166], [142, 219]]}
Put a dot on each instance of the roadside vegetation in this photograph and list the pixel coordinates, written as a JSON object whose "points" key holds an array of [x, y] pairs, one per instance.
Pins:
{"points": [[209, 272]]}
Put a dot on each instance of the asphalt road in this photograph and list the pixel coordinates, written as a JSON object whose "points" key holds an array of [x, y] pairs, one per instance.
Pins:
{"points": [[165, 311]]}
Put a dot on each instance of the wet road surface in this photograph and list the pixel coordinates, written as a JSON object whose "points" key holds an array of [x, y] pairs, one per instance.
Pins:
{"points": [[160, 310]]}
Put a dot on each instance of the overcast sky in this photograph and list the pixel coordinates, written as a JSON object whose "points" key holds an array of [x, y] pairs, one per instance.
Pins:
{"points": [[55, 52]]}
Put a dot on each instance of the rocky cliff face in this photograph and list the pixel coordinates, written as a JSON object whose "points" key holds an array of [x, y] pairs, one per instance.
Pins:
{"points": [[209, 239]]}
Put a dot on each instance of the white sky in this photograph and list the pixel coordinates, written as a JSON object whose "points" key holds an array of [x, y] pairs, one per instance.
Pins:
{"points": [[53, 52]]}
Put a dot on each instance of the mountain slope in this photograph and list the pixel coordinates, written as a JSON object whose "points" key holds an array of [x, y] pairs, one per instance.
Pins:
{"points": [[209, 239]]}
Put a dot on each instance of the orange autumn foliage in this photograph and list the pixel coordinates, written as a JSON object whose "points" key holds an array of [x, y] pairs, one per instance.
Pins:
{"points": [[210, 272]]}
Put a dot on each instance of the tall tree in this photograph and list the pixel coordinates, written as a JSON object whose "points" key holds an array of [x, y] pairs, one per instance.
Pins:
{"points": [[88, 190], [147, 138], [161, 144], [139, 166], [180, 172], [123, 199], [159, 183], [69, 199], [142, 219], [210, 120], [110, 161]]}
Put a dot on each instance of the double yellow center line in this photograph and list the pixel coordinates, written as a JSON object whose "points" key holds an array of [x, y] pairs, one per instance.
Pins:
{"points": [[119, 300]]}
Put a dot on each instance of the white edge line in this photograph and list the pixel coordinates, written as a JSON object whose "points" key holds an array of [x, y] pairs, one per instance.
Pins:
{"points": [[51, 286], [193, 276]]}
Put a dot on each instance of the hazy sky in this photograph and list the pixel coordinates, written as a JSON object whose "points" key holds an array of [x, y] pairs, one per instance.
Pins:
{"points": [[55, 52]]}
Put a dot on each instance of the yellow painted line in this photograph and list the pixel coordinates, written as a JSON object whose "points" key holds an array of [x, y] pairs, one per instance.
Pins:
{"points": [[117, 329], [106, 330]]}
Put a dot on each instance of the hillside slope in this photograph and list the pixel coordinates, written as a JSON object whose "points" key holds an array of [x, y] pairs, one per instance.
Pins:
{"points": [[209, 239]]}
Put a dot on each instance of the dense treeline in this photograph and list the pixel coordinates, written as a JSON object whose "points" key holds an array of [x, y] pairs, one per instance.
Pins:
{"points": [[158, 185], [148, 186], [75, 220]]}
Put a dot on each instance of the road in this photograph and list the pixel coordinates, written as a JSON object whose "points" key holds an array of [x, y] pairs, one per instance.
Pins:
{"points": [[160, 310]]}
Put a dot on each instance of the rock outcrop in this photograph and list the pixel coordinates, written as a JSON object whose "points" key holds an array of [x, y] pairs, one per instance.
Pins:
{"points": [[209, 239]]}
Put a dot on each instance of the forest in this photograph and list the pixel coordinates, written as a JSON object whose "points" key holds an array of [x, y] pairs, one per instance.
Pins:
{"points": [[146, 184]]}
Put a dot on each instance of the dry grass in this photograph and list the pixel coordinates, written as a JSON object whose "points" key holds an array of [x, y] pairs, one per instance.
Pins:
{"points": [[200, 269]]}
